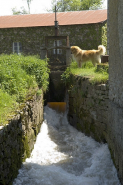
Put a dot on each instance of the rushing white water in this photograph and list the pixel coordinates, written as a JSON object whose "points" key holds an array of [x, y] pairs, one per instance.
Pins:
{"points": [[64, 156]]}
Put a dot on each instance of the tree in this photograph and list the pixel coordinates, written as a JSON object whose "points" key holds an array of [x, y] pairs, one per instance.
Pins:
{"points": [[23, 10], [19, 12], [28, 3], [91, 4], [76, 5]]}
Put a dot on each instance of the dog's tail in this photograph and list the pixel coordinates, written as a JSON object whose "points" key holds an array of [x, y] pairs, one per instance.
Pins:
{"points": [[101, 49]]}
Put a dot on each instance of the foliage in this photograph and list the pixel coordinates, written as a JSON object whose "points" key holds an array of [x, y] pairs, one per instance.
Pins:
{"points": [[20, 75], [14, 80], [66, 76], [102, 68], [91, 4], [95, 74], [37, 67], [87, 65], [76, 5], [22, 9], [19, 12], [7, 105], [104, 35]]}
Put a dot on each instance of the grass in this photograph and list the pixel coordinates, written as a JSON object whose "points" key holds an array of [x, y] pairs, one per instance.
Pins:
{"points": [[20, 76], [96, 75], [7, 105]]}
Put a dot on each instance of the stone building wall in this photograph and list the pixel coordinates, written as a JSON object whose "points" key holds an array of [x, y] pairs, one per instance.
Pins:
{"points": [[18, 137], [33, 38], [115, 123], [88, 107]]}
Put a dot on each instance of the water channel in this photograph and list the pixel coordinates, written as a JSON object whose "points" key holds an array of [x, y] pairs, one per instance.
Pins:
{"points": [[64, 156]]}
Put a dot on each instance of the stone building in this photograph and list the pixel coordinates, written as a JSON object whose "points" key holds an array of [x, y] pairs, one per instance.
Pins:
{"points": [[115, 124], [26, 33]]}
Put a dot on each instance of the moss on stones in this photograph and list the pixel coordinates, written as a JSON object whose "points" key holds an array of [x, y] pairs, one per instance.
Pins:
{"points": [[26, 148], [18, 138], [89, 104]]}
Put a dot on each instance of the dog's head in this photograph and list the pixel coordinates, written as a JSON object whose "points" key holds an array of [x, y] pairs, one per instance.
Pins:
{"points": [[74, 49]]}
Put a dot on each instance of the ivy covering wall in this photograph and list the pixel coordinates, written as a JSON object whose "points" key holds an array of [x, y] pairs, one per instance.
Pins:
{"points": [[87, 36]]}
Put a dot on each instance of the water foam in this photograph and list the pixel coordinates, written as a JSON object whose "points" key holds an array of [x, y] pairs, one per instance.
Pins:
{"points": [[64, 156]]}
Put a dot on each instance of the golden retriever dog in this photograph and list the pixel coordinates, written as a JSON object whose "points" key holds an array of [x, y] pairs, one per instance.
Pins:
{"points": [[82, 56]]}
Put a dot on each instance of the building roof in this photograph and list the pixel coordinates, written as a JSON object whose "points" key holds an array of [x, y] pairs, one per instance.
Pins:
{"points": [[47, 19]]}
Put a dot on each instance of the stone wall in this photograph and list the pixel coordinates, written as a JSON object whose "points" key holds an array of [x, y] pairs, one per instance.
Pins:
{"points": [[32, 39], [57, 88], [115, 123], [18, 137], [88, 107]]}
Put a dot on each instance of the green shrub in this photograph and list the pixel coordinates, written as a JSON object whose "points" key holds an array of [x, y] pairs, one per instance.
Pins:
{"points": [[15, 81], [20, 75], [73, 65], [7, 105], [38, 68], [65, 77]]}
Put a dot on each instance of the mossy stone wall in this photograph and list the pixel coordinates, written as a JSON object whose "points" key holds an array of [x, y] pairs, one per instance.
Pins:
{"points": [[18, 137], [92, 112], [87, 36], [88, 107]]}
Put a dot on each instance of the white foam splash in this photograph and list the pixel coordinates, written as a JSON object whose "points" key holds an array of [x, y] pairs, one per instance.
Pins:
{"points": [[64, 156]]}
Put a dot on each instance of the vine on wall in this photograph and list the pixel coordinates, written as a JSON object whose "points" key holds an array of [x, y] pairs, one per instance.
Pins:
{"points": [[104, 36]]}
